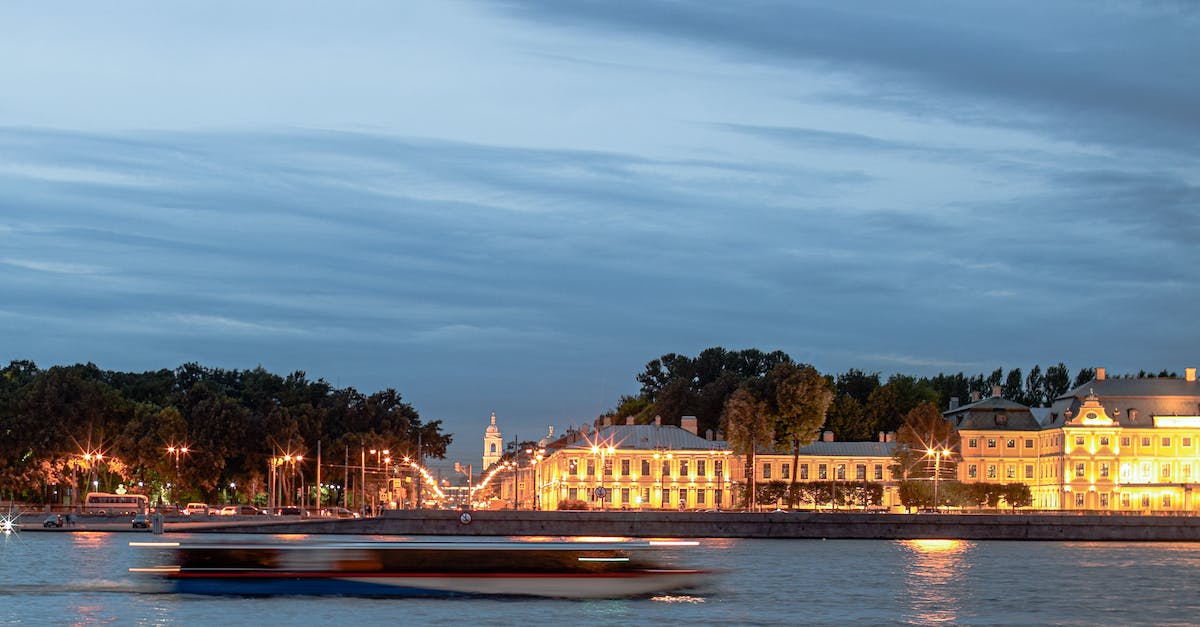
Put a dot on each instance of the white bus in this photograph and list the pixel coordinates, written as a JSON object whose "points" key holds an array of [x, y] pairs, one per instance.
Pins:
{"points": [[105, 503]]}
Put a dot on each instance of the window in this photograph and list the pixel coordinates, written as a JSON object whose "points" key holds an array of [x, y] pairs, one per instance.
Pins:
{"points": [[573, 467], [1028, 471], [822, 472], [1166, 471], [766, 471], [1146, 441], [717, 494], [1145, 501], [666, 497], [646, 469], [1166, 441], [1187, 471], [1125, 441], [573, 493], [785, 471], [700, 497], [1104, 440], [860, 472], [1010, 472], [879, 472], [625, 496], [1166, 500], [719, 468], [1079, 499], [1187, 442], [666, 468], [1104, 469], [1125, 500], [683, 467], [1079, 468], [645, 496], [683, 498], [1104, 500], [804, 472], [700, 469], [591, 468], [625, 467], [991, 442], [841, 472], [973, 443], [991, 473], [1029, 443], [1079, 440], [608, 466], [972, 471], [1011, 443]]}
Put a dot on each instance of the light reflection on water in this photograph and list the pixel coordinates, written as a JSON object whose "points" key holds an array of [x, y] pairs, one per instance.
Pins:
{"points": [[74, 578], [933, 574]]}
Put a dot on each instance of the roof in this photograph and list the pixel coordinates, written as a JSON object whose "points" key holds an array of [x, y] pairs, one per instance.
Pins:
{"points": [[1132, 402], [994, 414], [647, 438], [847, 449]]}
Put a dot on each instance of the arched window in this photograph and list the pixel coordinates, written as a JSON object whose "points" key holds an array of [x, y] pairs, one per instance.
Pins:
{"points": [[492, 448]]}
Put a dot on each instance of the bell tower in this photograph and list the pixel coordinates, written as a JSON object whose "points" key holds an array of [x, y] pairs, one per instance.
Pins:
{"points": [[493, 444]]}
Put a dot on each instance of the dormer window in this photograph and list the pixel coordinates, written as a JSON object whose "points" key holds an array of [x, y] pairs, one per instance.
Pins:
{"points": [[1002, 420]]}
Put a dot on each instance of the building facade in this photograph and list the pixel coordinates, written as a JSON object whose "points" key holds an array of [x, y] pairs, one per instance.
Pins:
{"points": [[1109, 445], [493, 444]]}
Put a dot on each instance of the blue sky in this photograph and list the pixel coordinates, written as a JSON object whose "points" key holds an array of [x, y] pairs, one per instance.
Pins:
{"points": [[513, 206]]}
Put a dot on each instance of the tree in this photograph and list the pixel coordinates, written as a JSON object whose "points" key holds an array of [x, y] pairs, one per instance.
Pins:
{"points": [[1056, 382], [1084, 375], [846, 419], [857, 384], [1014, 387], [924, 430], [801, 398], [747, 428], [1035, 386], [1017, 495]]}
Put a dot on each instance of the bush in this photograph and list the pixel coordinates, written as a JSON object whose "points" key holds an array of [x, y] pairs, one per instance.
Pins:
{"points": [[572, 504]]}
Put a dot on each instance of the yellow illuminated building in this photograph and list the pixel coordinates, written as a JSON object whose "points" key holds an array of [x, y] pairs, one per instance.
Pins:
{"points": [[636, 467], [829, 460], [1110, 445]]}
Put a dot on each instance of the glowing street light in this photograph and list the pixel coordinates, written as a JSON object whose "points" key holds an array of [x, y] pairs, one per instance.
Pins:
{"points": [[937, 455]]}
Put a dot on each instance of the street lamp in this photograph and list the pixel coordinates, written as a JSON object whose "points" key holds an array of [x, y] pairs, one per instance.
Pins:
{"points": [[602, 451], [937, 455], [176, 451], [378, 453]]}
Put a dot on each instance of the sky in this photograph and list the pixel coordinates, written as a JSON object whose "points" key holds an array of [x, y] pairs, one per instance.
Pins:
{"points": [[512, 207]]}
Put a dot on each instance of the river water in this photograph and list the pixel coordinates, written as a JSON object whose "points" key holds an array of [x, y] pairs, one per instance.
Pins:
{"points": [[83, 578]]}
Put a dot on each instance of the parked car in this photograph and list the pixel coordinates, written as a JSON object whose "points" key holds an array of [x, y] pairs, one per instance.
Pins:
{"points": [[141, 521], [240, 510], [196, 509], [53, 520], [338, 512], [290, 511]]}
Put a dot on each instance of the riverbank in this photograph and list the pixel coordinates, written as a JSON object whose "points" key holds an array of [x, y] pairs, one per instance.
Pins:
{"points": [[812, 525]]}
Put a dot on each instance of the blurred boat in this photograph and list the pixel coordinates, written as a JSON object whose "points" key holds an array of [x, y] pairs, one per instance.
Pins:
{"points": [[451, 568]]}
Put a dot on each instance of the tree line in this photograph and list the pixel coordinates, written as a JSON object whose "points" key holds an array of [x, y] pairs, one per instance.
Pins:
{"points": [[67, 425]]}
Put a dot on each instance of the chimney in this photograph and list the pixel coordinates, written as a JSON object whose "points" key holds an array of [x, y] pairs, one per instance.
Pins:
{"points": [[975, 396], [688, 423], [891, 436], [995, 391], [1189, 374], [953, 403], [1101, 373], [628, 420], [708, 434], [658, 421], [882, 437], [608, 421], [827, 436]]}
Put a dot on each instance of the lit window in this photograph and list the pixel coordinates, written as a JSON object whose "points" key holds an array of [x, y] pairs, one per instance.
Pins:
{"points": [[841, 472], [1104, 500], [625, 467], [1028, 471], [1079, 499], [1166, 441], [1104, 440], [1146, 501], [879, 472], [766, 471], [1079, 440], [1125, 500], [700, 467], [646, 470], [683, 467], [1103, 469], [719, 468], [1125, 441], [573, 467], [991, 471], [1166, 500], [608, 466], [804, 472], [991, 443], [860, 472], [572, 493], [822, 472], [1010, 472], [1011, 443], [1079, 469], [785, 471], [972, 471], [1146, 441], [1166, 471], [666, 468], [591, 467], [973, 443]]}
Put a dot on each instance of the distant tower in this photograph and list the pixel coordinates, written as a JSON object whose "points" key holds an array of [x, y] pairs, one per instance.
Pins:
{"points": [[493, 444]]}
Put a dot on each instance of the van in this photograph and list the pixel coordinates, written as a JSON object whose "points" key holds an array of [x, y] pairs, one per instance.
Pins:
{"points": [[196, 509]]}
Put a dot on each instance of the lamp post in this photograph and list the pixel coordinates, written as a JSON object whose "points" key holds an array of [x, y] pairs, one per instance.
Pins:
{"points": [[937, 455], [176, 451], [597, 449], [378, 453]]}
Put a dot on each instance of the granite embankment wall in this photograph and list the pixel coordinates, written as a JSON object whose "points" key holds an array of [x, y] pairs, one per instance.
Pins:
{"points": [[746, 525]]}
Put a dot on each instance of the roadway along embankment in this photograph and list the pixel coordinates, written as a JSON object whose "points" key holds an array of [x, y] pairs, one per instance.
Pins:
{"points": [[741, 525]]}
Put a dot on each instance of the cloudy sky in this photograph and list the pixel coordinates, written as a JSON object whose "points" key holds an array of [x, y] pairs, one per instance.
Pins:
{"points": [[513, 206]]}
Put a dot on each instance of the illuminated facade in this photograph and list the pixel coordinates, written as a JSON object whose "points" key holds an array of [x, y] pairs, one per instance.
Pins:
{"points": [[1120, 445], [637, 467], [493, 444], [827, 460]]}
